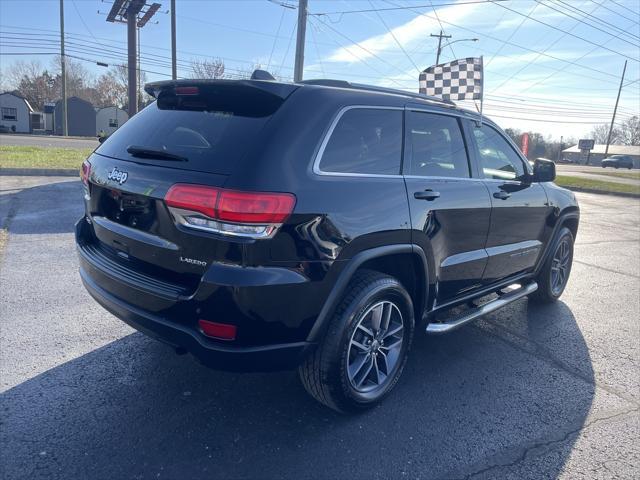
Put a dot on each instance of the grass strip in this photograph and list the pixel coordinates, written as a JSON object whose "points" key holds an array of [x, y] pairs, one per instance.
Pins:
{"points": [[42, 157], [597, 185], [631, 175]]}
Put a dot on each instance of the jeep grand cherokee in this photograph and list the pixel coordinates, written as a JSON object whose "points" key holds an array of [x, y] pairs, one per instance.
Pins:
{"points": [[262, 225]]}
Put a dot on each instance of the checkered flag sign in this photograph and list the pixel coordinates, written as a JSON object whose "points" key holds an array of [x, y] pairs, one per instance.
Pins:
{"points": [[457, 80]]}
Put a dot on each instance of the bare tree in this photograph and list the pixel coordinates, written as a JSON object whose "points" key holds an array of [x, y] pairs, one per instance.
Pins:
{"points": [[629, 131], [600, 133], [39, 84], [207, 68], [31, 81], [111, 90]]}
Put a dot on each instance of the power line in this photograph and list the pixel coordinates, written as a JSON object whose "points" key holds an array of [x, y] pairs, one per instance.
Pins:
{"points": [[394, 38], [485, 35], [545, 120], [617, 13], [568, 33], [538, 56], [441, 32], [372, 9], [293, 32], [275, 40], [626, 8], [527, 17], [146, 57], [75, 7], [110, 53], [597, 19], [585, 22], [359, 46], [315, 44]]}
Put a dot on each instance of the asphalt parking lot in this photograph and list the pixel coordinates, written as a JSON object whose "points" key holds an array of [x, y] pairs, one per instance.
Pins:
{"points": [[528, 392]]}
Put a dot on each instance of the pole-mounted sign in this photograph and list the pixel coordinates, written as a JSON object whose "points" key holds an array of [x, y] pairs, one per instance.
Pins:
{"points": [[586, 145]]}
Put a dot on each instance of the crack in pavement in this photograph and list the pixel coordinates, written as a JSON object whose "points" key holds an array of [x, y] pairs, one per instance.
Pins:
{"points": [[540, 352], [540, 445], [606, 269]]}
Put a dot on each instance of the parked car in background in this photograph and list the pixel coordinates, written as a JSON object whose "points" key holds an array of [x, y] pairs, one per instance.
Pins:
{"points": [[618, 161], [262, 225]]}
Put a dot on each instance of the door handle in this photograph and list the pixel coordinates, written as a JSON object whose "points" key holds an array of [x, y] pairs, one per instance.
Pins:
{"points": [[502, 195], [426, 195]]}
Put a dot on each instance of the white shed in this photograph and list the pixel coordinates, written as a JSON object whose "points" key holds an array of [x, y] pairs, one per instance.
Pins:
{"points": [[109, 119], [15, 112]]}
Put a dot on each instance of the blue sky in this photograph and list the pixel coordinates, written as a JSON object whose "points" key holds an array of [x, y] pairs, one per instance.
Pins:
{"points": [[537, 77]]}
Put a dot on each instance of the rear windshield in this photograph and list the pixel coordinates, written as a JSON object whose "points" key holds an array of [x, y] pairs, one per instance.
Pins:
{"points": [[212, 131]]}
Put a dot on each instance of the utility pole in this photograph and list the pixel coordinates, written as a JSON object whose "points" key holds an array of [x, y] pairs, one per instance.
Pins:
{"points": [[440, 37], [127, 11], [132, 61], [561, 145], [174, 68], [63, 67], [138, 68], [302, 31], [615, 109]]}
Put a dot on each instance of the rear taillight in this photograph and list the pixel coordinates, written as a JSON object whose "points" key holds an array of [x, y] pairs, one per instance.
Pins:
{"points": [[229, 212], [85, 172]]}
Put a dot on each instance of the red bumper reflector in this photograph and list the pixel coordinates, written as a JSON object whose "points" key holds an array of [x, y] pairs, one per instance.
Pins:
{"points": [[221, 331]]}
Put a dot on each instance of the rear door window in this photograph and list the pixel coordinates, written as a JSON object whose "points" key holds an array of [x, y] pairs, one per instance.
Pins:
{"points": [[365, 141], [435, 147]]}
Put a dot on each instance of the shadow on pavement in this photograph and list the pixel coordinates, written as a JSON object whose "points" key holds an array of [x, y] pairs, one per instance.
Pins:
{"points": [[133, 409], [42, 209]]}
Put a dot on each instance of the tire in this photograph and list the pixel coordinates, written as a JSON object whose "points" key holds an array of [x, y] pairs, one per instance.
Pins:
{"points": [[549, 288], [328, 373]]}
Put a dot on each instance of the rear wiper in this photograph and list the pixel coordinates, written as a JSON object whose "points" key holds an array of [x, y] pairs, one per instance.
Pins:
{"points": [[146, 152]]}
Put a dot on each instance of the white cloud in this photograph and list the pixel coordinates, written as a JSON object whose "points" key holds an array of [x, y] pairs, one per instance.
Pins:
{"points": [[407, 34], [513, 20]]}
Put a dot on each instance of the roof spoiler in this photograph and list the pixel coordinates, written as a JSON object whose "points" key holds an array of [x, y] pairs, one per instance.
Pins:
{"points": [[281, 90]]}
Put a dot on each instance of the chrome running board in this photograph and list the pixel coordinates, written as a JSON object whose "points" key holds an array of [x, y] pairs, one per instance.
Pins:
{"points": [[492, 306]]}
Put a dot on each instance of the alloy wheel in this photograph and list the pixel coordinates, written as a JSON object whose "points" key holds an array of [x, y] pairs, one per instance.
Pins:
{"points": [[375, 347], [560, 266]]}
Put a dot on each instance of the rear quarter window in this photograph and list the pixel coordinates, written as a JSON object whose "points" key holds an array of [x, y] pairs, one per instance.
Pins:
{"points": [[365, 141]]}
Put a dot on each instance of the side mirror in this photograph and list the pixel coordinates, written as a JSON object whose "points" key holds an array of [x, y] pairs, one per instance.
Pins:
{"points": [[544, 170], [102, 138]]}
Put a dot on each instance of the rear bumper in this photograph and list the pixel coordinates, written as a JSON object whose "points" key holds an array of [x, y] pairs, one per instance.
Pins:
{"points": [[210, 353], [167, 312]]}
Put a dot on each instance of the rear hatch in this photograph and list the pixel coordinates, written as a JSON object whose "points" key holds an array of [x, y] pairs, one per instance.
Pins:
{"points": [[197, 132]]}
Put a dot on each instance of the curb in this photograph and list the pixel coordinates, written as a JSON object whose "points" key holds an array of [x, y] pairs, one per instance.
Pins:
{"points": [[61, 137], [40, 172], [601, 192]]}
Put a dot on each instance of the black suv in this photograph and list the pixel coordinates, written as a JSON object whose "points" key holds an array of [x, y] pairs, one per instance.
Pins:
{"points": [[261, 225]]}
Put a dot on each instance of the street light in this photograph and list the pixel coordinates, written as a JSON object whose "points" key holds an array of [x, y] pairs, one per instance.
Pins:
{"points": [[440, 47]]}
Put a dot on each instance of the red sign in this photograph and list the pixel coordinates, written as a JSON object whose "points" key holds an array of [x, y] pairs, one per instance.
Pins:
{"points": [[524, 144]]}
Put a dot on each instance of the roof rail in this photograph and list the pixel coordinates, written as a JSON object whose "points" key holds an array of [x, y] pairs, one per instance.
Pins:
{"points": [[328, 82]]}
